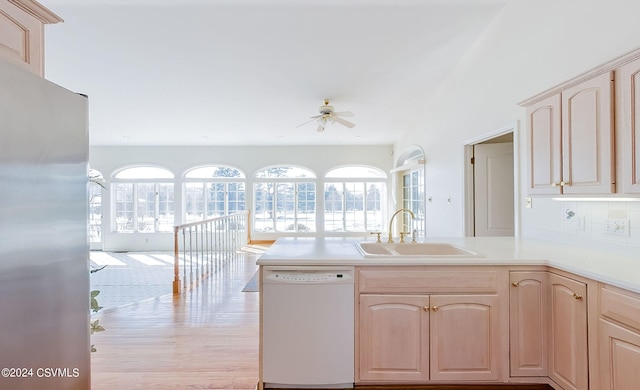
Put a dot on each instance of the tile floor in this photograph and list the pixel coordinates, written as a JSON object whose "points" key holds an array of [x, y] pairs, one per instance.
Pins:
{"points": [[131, 277]]}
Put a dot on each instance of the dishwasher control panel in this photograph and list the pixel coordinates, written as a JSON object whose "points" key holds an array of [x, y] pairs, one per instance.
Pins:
{"points": [[308, 276]]}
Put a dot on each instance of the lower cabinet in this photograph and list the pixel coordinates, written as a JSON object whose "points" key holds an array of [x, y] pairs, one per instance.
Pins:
{"points": [[620, 357], [439, 325], [529, 323], [548, 328], [568, 350], [619, 339], [394, 338], [417, 338]]}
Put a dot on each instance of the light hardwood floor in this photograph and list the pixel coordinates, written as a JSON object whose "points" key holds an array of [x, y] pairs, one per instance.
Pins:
{"points": [[206, 338]]}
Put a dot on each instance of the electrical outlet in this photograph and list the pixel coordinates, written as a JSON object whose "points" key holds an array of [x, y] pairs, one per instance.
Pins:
{"points": [[527, 202], [619, 227]]}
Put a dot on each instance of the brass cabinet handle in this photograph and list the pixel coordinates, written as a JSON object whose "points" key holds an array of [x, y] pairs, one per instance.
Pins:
{"points": [[554, 184], [564, 183], [426, 308], [435, 308], [515, 284], [577, 296]]}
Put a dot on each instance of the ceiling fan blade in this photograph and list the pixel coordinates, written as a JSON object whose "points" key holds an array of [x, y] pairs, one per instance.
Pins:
{"points": [[343, 113], [311, 119], [302, 124], [343, 122]]}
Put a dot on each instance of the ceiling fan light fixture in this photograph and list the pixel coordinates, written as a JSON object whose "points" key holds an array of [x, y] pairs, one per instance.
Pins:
{"points": [[328, 115]]}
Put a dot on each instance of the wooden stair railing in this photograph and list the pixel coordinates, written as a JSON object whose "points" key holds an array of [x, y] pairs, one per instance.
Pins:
{"points": [[204, 246]]}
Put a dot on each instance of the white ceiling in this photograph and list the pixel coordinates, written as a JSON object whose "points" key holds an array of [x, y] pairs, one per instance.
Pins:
{"points": [[247, 72]]}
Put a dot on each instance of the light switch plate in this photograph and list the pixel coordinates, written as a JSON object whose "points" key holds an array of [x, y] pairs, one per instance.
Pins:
{"points": [[618, 227], [527, 202]]}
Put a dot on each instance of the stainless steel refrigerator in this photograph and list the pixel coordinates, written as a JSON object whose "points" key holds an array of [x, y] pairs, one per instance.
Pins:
{"points": [[44, 274]]}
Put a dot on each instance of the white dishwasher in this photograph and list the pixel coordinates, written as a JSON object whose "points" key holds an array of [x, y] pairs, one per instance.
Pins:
{"points": [[308, 326]]}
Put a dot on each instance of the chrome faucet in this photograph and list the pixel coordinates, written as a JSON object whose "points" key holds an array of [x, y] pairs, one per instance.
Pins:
{"points": [[390, 240]]}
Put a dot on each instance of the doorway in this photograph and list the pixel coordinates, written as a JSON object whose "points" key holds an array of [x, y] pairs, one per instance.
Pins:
{"points": [[490, 184]]}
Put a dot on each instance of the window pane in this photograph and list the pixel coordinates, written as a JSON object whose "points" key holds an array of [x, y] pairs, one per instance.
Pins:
{"points": [[123, 207], [215, 200], [285, 172], [354, 207], [306, 207], [374, 207], [285, 207], [356, 173], [236, 197], [264, 218], [165, 207], [412, 199], [194, 201], [95, 212], [212, 172], [333, 221], [145, 207], [144, 173]]}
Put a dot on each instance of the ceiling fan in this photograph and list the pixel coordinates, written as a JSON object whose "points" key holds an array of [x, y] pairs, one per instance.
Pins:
{"points": [[327, 115]]}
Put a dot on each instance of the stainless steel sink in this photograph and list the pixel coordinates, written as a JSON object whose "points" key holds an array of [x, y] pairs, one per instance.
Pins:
{"points": [[423, 249]]}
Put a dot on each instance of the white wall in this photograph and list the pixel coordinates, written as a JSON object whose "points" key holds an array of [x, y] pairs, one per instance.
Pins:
{"points": [[531, 46], [248, 159]]}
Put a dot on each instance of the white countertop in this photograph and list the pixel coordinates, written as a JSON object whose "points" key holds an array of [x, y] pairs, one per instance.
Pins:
{"points": [[621, 271]]}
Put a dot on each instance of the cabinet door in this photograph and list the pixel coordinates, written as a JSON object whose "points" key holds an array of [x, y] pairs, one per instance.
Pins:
{"points": [[529, 323], [628, 79], [587, 137], [394, 338], [21, 40], [568, 337], [544, 124], [619, 357], [465, 338]]}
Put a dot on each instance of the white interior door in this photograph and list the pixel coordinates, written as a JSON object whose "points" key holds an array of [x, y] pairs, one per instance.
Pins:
{"points": [[493, 189]]}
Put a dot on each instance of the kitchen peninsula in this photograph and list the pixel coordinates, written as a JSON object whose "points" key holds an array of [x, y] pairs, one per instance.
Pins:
{"points": [[514, 310]]}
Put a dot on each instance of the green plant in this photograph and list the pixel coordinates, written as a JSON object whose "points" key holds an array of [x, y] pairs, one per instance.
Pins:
{"points": [[95, 177], [94, 325]]}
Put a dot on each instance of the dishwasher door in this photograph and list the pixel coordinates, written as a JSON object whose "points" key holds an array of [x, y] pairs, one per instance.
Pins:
{"points": [[308, 327]]}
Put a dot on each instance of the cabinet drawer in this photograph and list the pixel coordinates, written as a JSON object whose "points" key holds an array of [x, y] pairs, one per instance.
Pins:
{"points": [[620, 306], [419, 280]]}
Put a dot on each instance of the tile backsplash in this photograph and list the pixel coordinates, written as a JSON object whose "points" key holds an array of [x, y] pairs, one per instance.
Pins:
{"points": [[606, 225]]}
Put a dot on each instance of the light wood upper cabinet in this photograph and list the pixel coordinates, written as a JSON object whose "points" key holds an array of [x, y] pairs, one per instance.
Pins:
{"points": [[545, 145], [571, 140], [569, 364], [22, 33], [529, 324], [587, 137], [628, 126]]}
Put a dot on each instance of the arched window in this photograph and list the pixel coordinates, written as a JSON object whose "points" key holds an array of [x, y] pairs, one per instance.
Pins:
{"points": [[142, 199], [285, 200], [213, 191], [354, 199], [410, 177]]}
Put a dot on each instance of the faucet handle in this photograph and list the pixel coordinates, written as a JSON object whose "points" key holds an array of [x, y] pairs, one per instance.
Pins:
{"points": [[402, 234], [378, 241]]}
